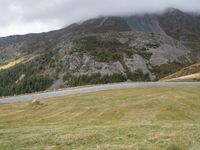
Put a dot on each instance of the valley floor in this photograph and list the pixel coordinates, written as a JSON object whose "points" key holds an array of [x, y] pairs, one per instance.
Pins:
{"points": [[163, 118]]}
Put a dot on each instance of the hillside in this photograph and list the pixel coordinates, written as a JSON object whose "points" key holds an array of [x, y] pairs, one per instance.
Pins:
{"points": [[188, 78], [158, 118], [101, 50], [191, 73]]}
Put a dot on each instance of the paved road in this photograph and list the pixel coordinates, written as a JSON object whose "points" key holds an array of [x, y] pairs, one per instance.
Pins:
{"points": [[44, 95]]}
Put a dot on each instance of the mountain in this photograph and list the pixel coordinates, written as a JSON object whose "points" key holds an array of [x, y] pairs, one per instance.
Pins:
{"points": [[101, 50]]}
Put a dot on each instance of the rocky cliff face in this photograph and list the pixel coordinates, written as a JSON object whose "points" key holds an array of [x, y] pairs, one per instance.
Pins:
{"points": [[146, 47]]}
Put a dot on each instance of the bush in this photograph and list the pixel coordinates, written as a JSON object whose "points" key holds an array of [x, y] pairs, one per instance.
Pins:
{"points": [[167, 69], [94, 79], [138, 75], [103, 51]]}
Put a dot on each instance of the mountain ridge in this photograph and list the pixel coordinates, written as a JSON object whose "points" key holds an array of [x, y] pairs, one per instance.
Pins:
{"points": [[102, 50]]}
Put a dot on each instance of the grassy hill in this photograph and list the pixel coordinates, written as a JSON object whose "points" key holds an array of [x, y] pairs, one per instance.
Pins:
{"points": [[151, 118], [191, 73], [188, 78]]}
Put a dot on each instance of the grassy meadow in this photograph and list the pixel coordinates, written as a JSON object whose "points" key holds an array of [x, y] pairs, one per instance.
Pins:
{"points": [[159, 118]]}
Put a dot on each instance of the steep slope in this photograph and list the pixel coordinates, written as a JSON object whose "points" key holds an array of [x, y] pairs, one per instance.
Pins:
{"points": [[101, 50], [187, 78], [191, 73], [181, 26], [184, 27]]}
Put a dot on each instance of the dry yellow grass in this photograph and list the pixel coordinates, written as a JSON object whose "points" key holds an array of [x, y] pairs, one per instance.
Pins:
{"points": [[192, 77], [191, 73], [11, 64], [149, 118]]}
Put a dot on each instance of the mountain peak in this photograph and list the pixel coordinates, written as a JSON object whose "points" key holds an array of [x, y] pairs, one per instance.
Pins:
{"points": [[173, 11]]}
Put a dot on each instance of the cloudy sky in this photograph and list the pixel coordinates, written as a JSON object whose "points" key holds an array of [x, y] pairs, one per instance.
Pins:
{"points": [[28, 16]]}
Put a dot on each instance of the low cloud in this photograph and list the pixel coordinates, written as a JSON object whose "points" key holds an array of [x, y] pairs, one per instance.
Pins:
{"points": [[25, 16]]}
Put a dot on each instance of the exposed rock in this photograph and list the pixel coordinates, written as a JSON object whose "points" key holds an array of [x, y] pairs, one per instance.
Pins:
{"points": [[35, 102], [21, 78], [85, 65], [139, 63]]}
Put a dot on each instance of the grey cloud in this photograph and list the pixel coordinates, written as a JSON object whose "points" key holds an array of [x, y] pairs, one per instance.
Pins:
{"points": [[24, 16]]}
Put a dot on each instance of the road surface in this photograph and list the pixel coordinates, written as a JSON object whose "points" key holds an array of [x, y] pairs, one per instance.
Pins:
{"points": [[39, 96]]}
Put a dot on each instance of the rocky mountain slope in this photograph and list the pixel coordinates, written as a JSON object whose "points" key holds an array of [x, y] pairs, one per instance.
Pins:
{"points": [[102, 50]]}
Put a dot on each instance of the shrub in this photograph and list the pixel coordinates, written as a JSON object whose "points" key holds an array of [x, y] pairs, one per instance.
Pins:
{"points": [[138, 75], [100, 50], [94, 79], [167, 69]]}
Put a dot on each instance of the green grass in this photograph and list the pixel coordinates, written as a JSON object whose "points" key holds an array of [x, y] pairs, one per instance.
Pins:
{"points": [[165, 118]]}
